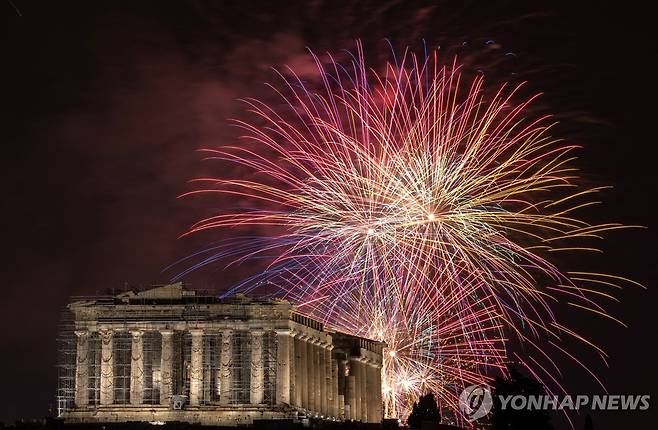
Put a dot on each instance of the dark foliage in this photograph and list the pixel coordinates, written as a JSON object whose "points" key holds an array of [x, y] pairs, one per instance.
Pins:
{"points": [[425, 409], [588, 423], [511, 419]]}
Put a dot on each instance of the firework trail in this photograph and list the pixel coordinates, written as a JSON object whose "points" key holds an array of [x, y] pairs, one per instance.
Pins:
{"points": [[412, 207]]}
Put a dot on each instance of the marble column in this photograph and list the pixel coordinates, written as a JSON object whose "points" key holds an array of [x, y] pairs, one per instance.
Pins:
{"points": [[334, 410], [225, 364], [343, 386], [166, 366], [322, 378], [82, 369], [318, 370], [293, 367], [350, 394], [364, 391], [378, 390], [310, 374], [369, 398], [283, 367], [341, 407], [328, 385], [196, 367], [356, 407], [374, 391], [256, 387], [137, 368], [107, 367], [301, 384]]}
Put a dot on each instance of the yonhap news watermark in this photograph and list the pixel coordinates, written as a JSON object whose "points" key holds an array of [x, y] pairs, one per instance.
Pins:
{"points": [[476, 401]]}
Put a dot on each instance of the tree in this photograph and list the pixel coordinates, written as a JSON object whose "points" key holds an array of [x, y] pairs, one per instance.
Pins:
{"points": [[511, 419], [425, 409], [588, 423]]}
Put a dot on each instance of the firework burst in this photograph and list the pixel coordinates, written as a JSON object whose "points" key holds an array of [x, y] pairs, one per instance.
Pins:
{"points": [[409, 206]]}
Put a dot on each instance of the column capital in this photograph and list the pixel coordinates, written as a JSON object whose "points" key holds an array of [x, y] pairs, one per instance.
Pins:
{"points": [[82, 333], [228, 331], [196, 331], [167, 332], [257, 332], [106, 334], [284, 331], [137, 333]]}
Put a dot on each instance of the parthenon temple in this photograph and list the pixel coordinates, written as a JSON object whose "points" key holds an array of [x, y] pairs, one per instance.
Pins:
{"points": [[169, 354]]}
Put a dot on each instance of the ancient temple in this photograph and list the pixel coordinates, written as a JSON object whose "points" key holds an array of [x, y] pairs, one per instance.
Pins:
{"points": [[172, 354]]}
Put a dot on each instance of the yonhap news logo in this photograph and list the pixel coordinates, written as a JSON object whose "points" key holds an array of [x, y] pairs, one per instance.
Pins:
{"points": [[476, 401]]}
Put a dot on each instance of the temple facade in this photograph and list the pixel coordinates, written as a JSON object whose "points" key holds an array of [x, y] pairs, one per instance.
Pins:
{"points": [[171, 354]]}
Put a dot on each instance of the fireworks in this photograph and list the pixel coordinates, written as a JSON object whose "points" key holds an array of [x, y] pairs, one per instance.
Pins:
{"points": [[409, 206]]}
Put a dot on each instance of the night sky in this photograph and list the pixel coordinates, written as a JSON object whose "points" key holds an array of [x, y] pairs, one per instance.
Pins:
{"points": [[104, 104]]}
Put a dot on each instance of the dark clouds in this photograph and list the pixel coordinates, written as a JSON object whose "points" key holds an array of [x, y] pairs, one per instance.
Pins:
{"points": [[105, 105]]}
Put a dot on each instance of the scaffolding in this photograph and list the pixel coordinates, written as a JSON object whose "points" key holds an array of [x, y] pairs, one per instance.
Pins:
{"points": [[179, 368], [152, 378], [241, 367], [211, 368], [67, 344], [270, 346], [185, 354], [67, 349], [94, 369], [121, 358], [152, 361]]}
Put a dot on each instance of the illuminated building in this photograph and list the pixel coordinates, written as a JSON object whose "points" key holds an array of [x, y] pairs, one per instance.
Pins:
{"points": [[171, 354]]}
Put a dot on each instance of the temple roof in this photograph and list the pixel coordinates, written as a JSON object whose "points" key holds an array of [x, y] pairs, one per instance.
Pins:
{"points": [[170, 291], [171, 294]]}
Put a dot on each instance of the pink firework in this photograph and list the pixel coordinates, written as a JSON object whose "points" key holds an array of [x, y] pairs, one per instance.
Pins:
{"points": [[408, 206]]}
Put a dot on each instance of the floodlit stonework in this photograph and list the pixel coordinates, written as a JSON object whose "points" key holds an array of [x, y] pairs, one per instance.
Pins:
{"points": [[170, 354]]}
